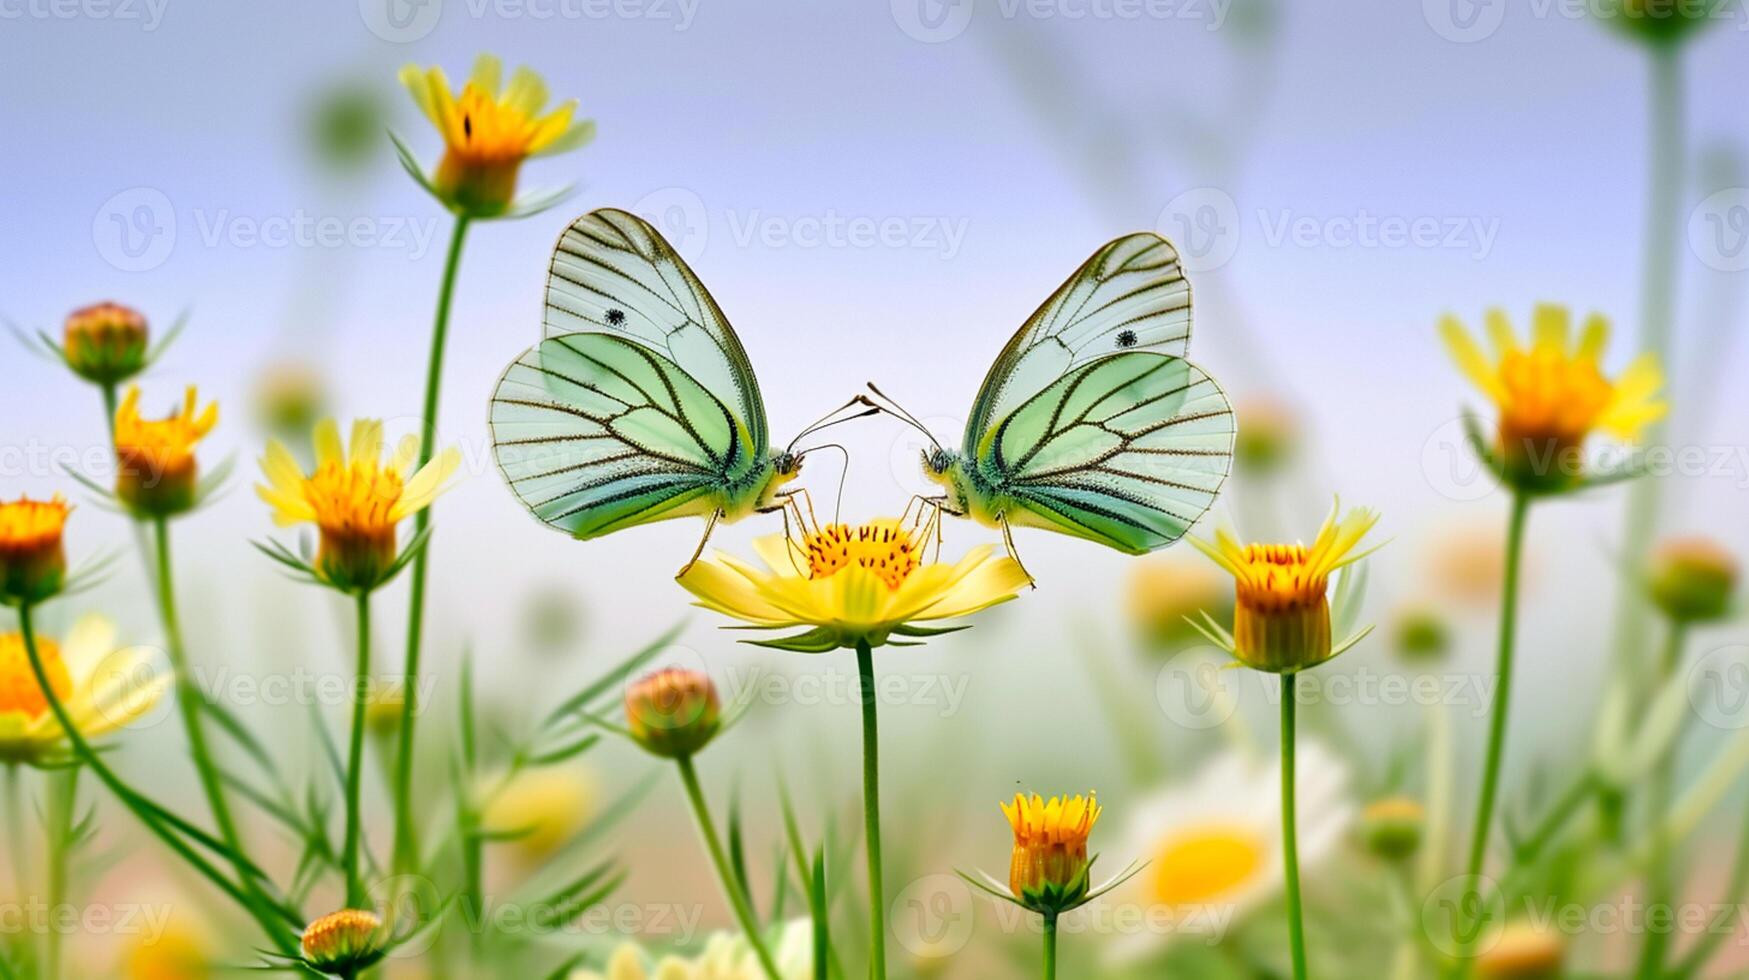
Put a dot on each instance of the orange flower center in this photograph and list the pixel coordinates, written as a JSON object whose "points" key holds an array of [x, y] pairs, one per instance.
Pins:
{"points": [[1280, 578], [487, 131], [1203, 865], [19, 690], [882, 547]]}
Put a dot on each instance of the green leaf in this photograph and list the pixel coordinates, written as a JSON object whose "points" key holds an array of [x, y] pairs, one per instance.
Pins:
{"points": [[613, 678], [821, 640]]}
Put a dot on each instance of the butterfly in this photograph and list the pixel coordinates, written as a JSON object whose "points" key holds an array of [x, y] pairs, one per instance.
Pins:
{"points": [[1091, 423], [641, 404]]}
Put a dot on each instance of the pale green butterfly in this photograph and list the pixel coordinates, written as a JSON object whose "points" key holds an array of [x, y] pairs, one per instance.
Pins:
{"points": [[1091, 422], [641, 405]]}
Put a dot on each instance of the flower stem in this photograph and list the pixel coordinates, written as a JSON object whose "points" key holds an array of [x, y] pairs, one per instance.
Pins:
{"points": [[1503, 696], [141, 808], [16, 851], [63, 800], [406, 847], [731, 887], [1290, 847], [355, 895], [191, 700], [871, 808], [1660, 886], [1050, 947]]}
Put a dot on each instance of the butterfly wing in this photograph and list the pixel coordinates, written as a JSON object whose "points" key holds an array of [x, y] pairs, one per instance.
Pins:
{"points": [[596, 432], [1128, 450], [1131, 295], [612, 273]]}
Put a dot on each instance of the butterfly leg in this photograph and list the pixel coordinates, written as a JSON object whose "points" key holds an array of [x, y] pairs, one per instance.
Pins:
{"points": [[1008, 539], [710, 526]]}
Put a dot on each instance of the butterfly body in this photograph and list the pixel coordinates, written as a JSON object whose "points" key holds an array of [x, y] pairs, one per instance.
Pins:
{"points": [[1092, 423], [641, 404]]}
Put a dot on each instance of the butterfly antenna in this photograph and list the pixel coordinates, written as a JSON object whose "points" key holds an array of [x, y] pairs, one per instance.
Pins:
{"points": [[843, 475], [831, 418], [897, 411]]}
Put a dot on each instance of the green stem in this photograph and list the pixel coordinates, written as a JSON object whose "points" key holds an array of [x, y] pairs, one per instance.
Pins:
{"points": [[731, 886], [63, 800], [190, 700], [871, 809], [109, 405], [1050, 947], [1658, 271], [1565, 807], [355, 894], [1290, 847], [1503, 695], [1660, 883], [406, 846], [143, 809]]}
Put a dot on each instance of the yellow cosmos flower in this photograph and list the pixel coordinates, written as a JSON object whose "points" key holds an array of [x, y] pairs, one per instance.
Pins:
{"points": [[157, 474], [851, 585], [1553, 394], [725, 957], [488, 129], [1281, 616], [103, 688], [1049, 870], [542, 809], [180, 952], [345, 942], [33, 557], [355, 499]]}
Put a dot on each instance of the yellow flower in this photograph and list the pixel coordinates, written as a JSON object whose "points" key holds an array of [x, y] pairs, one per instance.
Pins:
{"points": [[1281, 616], [1049, 870], [725, 957], [489, 129], [157, 474], [178, 953], [1523, 951], [543, 808], [105, 342], [355, 499], [102, 688], [33, 558], [1553, 394], [851, 585], [344, 942]]}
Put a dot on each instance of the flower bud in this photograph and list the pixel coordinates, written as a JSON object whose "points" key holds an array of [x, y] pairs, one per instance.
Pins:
{"points": [[1421, 635], [1391, 828], [105, 343], [1049, 871], [344, 942], [1693, 580], [1268, 436], [1523, 952], [33, 559], [673, 713], [1164, 594]]}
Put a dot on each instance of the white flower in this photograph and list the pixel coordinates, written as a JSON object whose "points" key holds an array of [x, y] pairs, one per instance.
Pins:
{"points": [[726, 956], [1214, 841]]}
